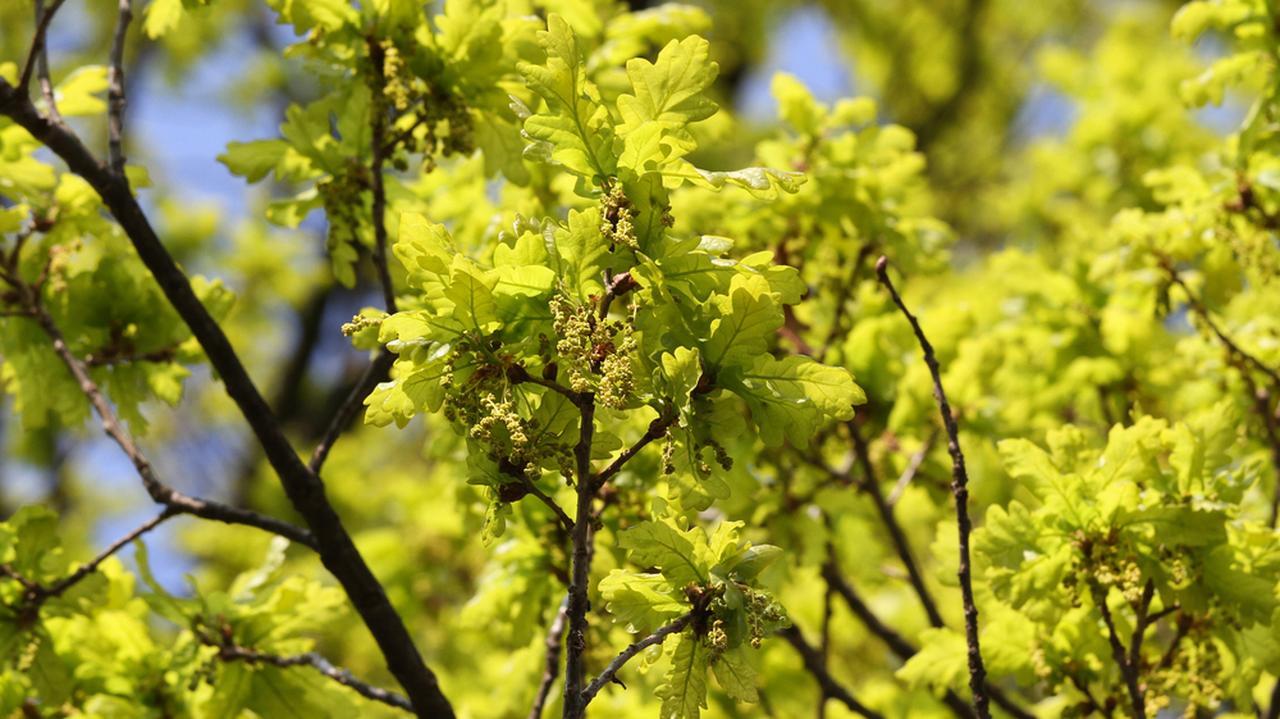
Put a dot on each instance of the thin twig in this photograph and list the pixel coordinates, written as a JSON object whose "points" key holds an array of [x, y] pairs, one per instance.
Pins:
{"points": [[91, 566], [320, 664], [35, 595], [913, 466], [551, 664], [657, 430], [376, 372], [614, 287], [1203, 313], [160, 492], [42, 72], [1237, 357], [115, 91], [826, 683], [960, 490], [904, 650], [37, 45], [871, 484], [610, 672]]}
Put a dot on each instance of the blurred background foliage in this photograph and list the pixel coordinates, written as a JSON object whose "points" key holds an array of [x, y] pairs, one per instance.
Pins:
{"points": [[1008, 134]]}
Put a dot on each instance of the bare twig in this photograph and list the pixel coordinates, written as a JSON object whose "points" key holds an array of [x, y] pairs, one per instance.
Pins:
{"points": [[34, 595], [92, 565], [913, 466], [373, 374], [1238, 358], [115, 91], [826, 683], [960, 490], [614, 287], [160, 492], [551, 665], [42, 72], [37, 44], [320, 664], [871, 484], [904, 650], [610, 672], [657, 429], [1203, 313]]}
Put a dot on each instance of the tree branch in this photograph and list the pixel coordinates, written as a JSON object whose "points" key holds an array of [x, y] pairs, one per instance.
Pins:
{"points": [[304, 489], [871, 484], [37, 45], [610, 672], [91, 566], [378, 127], [578, 605], [826, 683], [160, 492], [1118, 653], [42, 71], [960, 490], [320, 664], [376, 372], [115, 91], [551, 665], [37, 594], [657, 429]]}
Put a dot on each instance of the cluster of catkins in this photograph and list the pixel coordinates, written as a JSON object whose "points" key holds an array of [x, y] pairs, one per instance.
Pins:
{"points": [[597, 352]]}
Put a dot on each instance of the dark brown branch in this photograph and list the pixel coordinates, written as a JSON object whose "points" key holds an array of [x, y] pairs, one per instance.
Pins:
{"points": [[871, 483], [610, 672], [565, 520], [826, 683], [1119, 654], [574, 671], [42, 71], [34, 595], [91, 566], [519, 375], [375, 373], [303, 488], [657, 430], [37, 45], [960, 490], [320, 664], [115, 91], [551, 664]]}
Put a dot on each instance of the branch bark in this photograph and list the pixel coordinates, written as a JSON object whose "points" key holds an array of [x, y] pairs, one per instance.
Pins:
{"points": [[960, 490], [304, 489], [574, 672]]}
